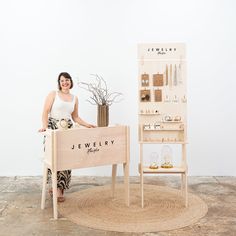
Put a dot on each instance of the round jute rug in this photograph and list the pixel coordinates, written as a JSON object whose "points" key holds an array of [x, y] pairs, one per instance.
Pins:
{"points": [[163, 209]]}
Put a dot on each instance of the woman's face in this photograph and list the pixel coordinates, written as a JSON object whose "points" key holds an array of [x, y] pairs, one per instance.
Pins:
{"points": [[65, 83]]}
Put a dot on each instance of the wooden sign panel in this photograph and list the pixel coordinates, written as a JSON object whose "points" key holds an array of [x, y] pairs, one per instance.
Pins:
{"points": [[81, 148]]}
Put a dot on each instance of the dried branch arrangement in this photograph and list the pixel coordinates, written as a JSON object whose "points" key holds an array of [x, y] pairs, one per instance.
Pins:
{"points": [[100, 93]]}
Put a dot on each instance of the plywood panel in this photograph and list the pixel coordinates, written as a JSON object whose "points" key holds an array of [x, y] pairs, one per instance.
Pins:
{"points": [[166, 91], [81, 148]]}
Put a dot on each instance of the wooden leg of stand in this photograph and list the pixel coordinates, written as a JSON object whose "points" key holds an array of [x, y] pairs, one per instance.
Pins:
{"points": [[126, 182], [182, 184], [45, 175], [114, 170], [186, 189], [54, 188], [141, 173], [141, 181]]}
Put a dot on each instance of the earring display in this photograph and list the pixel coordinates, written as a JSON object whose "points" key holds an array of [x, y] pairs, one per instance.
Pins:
{"points": [[162, 110], [166, 75], [177, 118], [145, 80], [158, 80], [175, 99], [180, 71], [184, 99], [167, 99], [170, 82], [166, 156], [153, 160], [168, 118], [149, 112], [145, 95], [175, 76], [158, 95], [162, 94]]}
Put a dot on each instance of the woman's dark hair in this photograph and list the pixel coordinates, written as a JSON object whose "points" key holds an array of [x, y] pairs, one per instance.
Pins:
{"points": [[67, 76]]}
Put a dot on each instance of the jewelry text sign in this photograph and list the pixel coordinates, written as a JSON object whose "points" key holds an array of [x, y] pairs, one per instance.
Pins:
{"points": [[81, 148]]}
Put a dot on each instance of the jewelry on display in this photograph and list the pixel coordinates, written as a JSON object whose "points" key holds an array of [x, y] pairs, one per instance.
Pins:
{"points": [[180, 71], [145, 95], [166, 75], [168, 118], [153, 159], [158, 80], [147, 127], [167, 99], [167, 165], [175, 99], [145, 79], [158, 95], [166, 154], [63, 123], [184, 99], [177, 118], [157, 126], [170, 82], [153, 165], [175, 76]]}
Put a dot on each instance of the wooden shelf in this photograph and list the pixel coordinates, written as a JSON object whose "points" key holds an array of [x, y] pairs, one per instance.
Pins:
{"points": [[149, 114], [173, 121], [163, 129], [165, 142], [175, 169]]}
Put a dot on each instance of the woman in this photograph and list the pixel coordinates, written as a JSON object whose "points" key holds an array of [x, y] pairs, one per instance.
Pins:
{"points": [[61, 105]]}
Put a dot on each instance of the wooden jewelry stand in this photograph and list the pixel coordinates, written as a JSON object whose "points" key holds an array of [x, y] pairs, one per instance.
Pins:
{"points": [[81, 148], [163, 105]]}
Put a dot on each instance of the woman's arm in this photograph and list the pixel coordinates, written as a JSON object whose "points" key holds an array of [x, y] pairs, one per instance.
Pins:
{"points": [[46, 109], [77, 119]]}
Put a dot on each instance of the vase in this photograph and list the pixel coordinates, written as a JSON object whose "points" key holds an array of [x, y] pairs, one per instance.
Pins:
{"points": [[103, 116]]}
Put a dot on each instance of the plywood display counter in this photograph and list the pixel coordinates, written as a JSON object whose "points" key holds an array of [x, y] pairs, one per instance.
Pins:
{"points": [[82, 148]]}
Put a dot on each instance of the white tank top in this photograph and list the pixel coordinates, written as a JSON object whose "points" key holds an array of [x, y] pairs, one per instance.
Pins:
{"points": [[62, 109]]}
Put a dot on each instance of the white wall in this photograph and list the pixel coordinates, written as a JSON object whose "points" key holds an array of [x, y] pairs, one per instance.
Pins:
{"points": [[39, 39]]}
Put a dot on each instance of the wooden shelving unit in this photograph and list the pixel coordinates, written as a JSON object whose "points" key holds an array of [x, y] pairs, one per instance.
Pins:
{"points": [[163, 105]]}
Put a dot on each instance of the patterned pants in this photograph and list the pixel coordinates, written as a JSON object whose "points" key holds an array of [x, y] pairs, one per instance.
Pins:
{"points": [[63, 177]]}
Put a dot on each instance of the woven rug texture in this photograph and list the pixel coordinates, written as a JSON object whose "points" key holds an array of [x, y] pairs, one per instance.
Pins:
{"points": [[163, 209]]}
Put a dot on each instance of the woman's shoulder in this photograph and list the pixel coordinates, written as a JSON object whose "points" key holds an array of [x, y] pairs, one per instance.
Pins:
{"points": [[52, 94], [74, 96]]}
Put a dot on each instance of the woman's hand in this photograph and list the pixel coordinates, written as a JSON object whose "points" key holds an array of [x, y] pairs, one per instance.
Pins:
{"points": [[90, 126], [42, 130]]}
